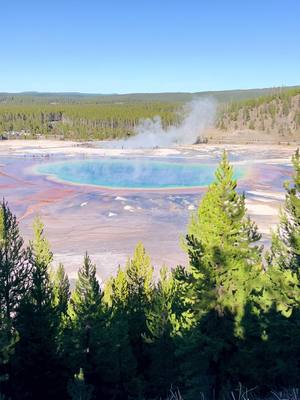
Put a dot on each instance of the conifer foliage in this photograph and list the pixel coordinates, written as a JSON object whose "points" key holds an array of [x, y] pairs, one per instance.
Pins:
{"points": [[285, 248], [15, 271], [221, 243], [35, 361]]}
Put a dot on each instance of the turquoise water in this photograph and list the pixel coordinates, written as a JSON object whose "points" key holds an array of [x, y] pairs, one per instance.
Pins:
{"points": [[133, 173]]}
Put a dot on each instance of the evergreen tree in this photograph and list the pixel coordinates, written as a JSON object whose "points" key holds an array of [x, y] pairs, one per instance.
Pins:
{"points": [[86, 300], [162, 326], [116, 290], [225, 263], [36, 366], [285, 248], [139, 273], [14, 264], [14, 282], [123, 380], [280, 303], [130, 296], [61, 297], [61, 290], [284, 256], [224, 274], [7, 344], [161, 319], [268, 357], [88, 321]]}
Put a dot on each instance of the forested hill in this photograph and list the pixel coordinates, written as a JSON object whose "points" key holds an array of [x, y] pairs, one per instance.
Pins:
{"points": [[277, 114], [77, 116]]}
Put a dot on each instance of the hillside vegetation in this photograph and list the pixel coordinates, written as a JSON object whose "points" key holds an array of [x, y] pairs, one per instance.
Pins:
{"points": [[277, 115], [274, 112]]}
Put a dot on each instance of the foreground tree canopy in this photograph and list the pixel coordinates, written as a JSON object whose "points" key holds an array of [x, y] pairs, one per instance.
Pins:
{"points": [[228, 319]]}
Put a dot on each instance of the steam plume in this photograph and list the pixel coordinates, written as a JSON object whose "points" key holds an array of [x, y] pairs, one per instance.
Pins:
{"points": [[198, 115]]}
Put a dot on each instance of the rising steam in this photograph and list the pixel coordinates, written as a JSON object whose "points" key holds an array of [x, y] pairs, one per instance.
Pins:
{"points": [[198, 115]]}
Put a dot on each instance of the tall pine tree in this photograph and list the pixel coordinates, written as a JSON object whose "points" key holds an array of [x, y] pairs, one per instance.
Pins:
{"points": [[85, 305], [162, 325], [14, 264], [139, 277], [88, 320], [225, 261], [129, 295], [122, 361], [223, 276], [15, 275], [286, 241], [281, 317], [36, 363]]}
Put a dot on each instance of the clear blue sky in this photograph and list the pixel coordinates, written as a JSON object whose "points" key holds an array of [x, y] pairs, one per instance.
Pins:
{"points": [[123, 46]]}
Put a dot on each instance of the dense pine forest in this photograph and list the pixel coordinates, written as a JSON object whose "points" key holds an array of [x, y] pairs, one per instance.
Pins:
{"points": [[89, 117], [81, 121], [227, 325]]}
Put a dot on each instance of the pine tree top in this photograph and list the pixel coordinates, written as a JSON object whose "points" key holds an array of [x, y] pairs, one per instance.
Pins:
{"points": [[40, 246], [86, 300], [139, 272]]}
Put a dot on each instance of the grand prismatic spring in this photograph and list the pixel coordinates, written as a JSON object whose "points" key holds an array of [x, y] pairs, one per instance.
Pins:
{"points": [[103, 201], [134, 173]]}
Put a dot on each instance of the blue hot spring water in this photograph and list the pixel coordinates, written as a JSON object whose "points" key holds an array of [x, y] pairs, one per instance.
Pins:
{"points": [[133, 173]]}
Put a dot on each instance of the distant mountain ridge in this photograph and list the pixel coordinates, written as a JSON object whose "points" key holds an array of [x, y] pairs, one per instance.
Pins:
{"points": [[222, 96]]}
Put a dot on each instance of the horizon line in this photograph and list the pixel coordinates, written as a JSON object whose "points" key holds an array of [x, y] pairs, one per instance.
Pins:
{"points": [[37, 92]]}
